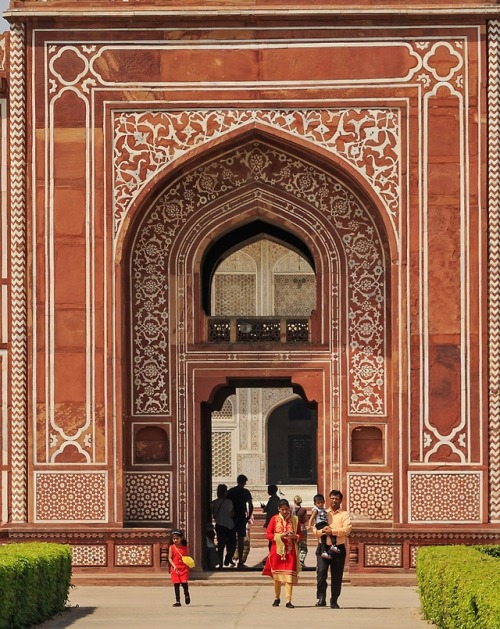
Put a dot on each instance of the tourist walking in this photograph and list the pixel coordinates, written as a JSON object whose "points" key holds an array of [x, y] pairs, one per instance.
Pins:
{"points": [[179, 571], [282, 564], [340, 527], [243, 510]]}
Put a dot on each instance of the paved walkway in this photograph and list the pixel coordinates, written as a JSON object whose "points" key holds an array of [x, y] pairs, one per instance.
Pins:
{"points": [[238, 607]]}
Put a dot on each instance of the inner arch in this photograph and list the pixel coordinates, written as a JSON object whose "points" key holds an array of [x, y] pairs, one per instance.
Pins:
{"points": [[238, 238]]}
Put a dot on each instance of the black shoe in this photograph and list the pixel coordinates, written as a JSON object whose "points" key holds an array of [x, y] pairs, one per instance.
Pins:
{"points": [[187, 599], [321, 602], [276, 602], [289, 605], [176, 604], [334, 606]]}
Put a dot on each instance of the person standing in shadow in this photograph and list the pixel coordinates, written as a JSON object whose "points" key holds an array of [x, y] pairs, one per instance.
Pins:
{"points": [[271, 507], [223, 512], [243, 510], [301, 513]]}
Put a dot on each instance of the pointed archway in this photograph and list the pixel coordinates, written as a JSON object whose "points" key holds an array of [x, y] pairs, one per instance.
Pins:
{"points": [[171, 366]]}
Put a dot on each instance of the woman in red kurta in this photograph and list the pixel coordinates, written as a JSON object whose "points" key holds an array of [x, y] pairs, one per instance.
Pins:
{"points": [[284, 533]]}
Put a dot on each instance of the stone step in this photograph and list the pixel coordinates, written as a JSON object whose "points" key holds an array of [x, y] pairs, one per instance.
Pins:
{"points": [[232, 577]]}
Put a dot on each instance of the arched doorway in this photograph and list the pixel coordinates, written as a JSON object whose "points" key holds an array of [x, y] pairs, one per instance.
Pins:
{"points": [[175, 366], [263, 278], [291, 444], [280, 447]]}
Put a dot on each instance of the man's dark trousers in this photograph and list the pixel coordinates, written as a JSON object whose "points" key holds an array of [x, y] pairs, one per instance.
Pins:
{"points": [[336, 565]]}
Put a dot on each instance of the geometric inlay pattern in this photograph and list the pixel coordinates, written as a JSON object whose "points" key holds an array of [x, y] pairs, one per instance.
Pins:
{"points": [[70, 496], [294, 295], [445, 497], [221, 454], [134, 555], [378, 555], [234, 294], [17, 214], [370, 496], [89, 555], [413, 556], [226, 412], [147, 496], [494, 265], [212, 186]]}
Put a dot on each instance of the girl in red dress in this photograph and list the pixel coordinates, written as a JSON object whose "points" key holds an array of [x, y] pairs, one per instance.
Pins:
{"points": [[179, 572], [284, 533]]}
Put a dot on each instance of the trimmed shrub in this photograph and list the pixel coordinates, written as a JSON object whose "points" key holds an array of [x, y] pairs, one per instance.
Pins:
{"points": [[459, 586], [34, 582]]}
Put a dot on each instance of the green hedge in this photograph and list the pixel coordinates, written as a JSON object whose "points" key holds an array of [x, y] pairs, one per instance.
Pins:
{"points": [[34, 583], [459, 586]]}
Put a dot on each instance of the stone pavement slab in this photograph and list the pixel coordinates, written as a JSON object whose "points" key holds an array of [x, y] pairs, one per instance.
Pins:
{"points": [[238, 607]]}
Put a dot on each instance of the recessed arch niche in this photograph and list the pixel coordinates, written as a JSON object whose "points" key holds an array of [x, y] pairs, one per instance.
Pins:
{"points": [[239, 238], [263, 278], [242, 185]]}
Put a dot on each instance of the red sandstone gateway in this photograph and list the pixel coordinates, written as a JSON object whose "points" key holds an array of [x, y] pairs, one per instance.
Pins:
{"points": [[249, 238]]}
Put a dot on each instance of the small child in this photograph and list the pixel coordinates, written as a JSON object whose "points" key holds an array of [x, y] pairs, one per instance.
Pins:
{"points": [[322, 518], [179, 572]]}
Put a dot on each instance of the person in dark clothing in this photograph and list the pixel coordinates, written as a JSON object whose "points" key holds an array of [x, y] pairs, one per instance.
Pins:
{"points": [[301, 513], [223, 512], [271, 508], [243, 509]]}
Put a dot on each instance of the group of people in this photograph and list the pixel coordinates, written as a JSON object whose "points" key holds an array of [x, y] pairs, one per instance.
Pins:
{"points": [[232, 511], [286, 530]]}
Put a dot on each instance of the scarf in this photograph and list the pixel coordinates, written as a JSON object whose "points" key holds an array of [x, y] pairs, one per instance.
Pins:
{"points": [[281, 527]]}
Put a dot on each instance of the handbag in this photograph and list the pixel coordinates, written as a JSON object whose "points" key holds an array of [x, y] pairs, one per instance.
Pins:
{"points": [[186, 559]]}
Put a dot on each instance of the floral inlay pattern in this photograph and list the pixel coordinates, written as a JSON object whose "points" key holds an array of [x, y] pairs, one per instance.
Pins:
{"points": [[145, 142], [257, 164]]}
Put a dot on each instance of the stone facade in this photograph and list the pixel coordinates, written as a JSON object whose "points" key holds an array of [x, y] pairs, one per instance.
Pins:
{"points": [[142, 144]]}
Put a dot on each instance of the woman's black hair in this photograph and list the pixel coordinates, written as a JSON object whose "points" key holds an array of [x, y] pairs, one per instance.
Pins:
{"points": [[283, 503]]}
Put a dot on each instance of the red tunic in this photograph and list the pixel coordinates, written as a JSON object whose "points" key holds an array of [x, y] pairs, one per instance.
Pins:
{"points": [[175, 554], [285, 566]]}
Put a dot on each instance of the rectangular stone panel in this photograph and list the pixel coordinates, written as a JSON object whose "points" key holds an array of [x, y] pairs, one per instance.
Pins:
{"points": [[148, 496], [134, 555], [70, 497], [371, 496], [89, 555], [445, 497], [383, 556]]}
